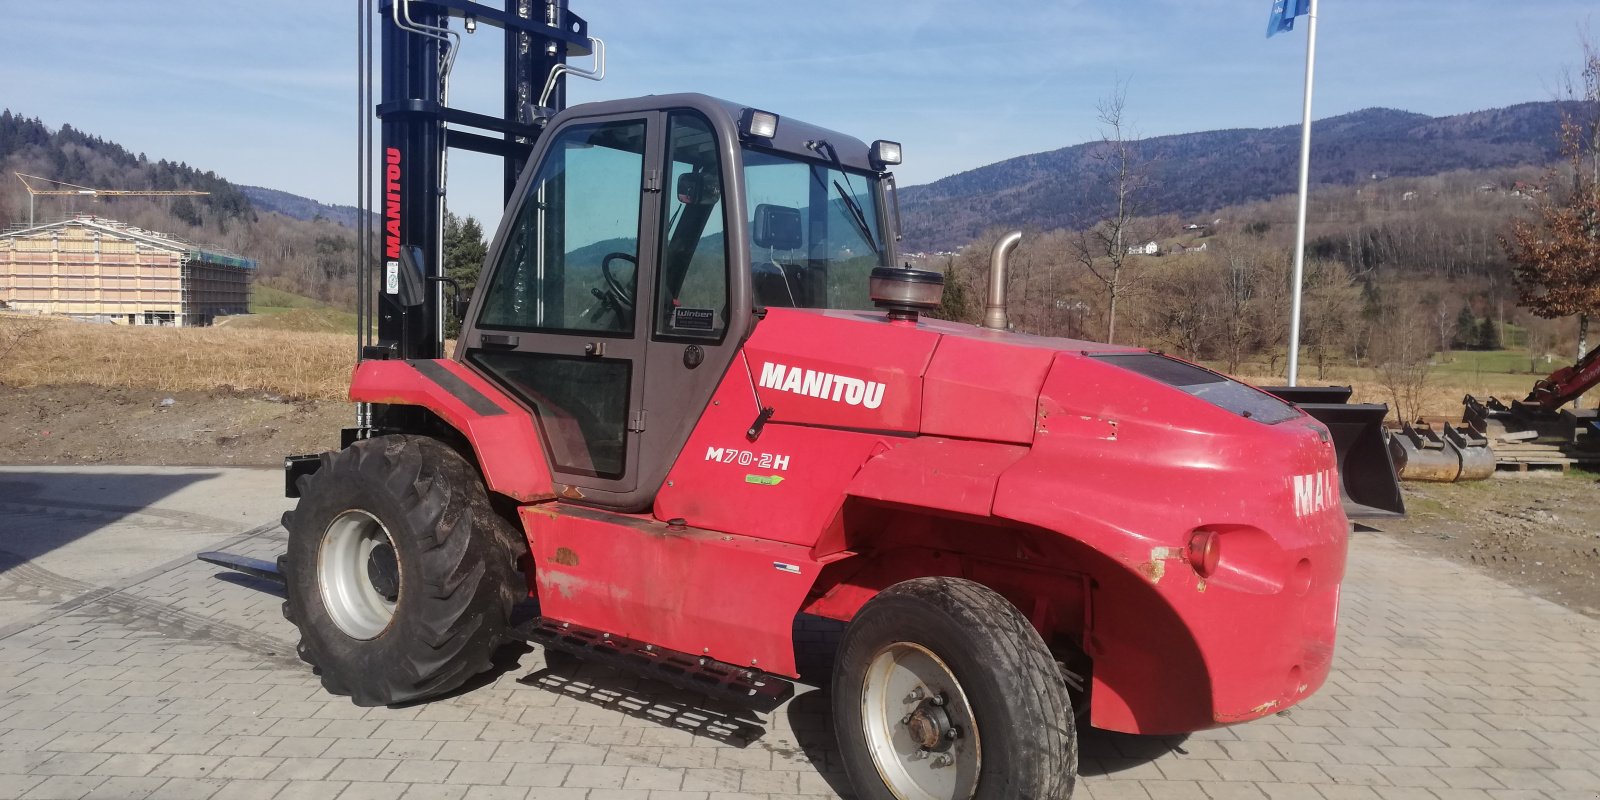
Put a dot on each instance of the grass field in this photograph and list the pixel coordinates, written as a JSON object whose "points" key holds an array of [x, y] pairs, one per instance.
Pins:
{"points": [[300, 349], [269, 300], [1496, 373], [38, 351], [276, 310]]}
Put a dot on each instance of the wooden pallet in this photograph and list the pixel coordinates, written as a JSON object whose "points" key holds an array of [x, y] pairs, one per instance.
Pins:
{"points": [[1519, 452], [1531, 466]]}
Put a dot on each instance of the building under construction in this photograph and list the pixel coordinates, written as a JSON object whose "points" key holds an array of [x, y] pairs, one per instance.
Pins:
{"points": [[88, 267]]}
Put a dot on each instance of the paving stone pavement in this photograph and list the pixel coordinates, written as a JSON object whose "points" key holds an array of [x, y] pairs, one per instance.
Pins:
{"points": [[183, 683]]}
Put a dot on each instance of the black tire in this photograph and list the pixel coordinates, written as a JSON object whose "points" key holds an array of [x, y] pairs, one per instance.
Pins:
{"points": [[454, 582], [1006, 680]]}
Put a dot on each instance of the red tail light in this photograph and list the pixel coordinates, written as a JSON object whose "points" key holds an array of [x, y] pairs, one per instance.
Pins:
{"points": [[1205, 548]]}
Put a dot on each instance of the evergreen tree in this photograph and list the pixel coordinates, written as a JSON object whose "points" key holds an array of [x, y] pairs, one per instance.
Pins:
{"points": [[955, 303], [1488, 334], [464, 251], [1466, 327], [184, 209]]}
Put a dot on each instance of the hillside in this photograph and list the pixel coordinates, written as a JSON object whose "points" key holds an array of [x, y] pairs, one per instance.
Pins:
{"points": [[1197, 172], [302, 246], [307, 247], [296, 207]]}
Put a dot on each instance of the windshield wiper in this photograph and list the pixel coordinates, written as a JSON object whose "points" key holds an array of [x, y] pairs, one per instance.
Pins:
{"points": [[859, 218]]}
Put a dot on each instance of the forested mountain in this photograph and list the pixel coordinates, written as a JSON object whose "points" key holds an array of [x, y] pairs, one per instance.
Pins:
{"points": [[307, 247], [1197, 172], [309, 254], [297, 207], [72, 156]]}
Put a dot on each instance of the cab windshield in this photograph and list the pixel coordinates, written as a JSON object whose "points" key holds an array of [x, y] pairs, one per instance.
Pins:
{"points": [[814, 235]]}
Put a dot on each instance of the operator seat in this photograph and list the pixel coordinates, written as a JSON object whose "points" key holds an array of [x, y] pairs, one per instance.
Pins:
{"points": [[772, 286]]}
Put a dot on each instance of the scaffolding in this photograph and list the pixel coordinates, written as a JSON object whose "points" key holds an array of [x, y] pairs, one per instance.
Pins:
{"points": [[93, 268]]}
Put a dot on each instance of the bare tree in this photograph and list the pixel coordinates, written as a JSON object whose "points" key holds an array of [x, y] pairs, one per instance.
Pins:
{"points": [[1246, 280], [1539, 338], [1401, 349], [1330, 312], [1184, 307], [1103, 248], [1445, 308]]}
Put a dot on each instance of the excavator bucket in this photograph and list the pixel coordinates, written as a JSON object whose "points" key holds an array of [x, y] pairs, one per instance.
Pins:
{"points": [[1371, 487], [1447, 453], [1487, 417], [1477, 459], [1421, 454]]}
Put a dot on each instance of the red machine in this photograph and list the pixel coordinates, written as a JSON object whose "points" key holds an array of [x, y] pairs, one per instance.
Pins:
{"points": [[1566, 384], [691, 401], [1542, 412]]}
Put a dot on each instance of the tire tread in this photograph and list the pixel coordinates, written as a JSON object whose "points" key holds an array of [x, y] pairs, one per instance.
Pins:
{"points": [[458, 609]]}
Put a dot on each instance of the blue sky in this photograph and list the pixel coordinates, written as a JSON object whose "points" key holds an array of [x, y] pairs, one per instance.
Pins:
{"points": [[263, 93]]}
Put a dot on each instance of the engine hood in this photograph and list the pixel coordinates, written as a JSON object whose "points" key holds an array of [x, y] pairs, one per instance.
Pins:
{"points": [[856, 370]]}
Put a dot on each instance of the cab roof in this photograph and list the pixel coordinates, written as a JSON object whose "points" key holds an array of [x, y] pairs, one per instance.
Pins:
{"points": [[791, 137]]}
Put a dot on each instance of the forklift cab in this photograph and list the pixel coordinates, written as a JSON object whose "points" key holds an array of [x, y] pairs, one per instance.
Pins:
{"points": [[642, 244]]}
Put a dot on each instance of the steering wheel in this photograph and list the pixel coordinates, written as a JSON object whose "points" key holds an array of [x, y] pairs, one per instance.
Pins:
{"points": [[623, 294]]}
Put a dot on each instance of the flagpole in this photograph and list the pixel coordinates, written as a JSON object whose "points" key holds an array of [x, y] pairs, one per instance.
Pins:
{"points": [[1305, 177]]}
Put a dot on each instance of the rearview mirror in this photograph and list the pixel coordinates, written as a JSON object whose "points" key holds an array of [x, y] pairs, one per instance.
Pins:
{"points": [[698, 189], [777, 227], [459, 303], [410, 286]]}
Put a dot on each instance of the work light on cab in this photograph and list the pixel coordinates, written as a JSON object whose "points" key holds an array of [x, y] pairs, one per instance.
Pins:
{"points": [[758, 124], [884, 154]]}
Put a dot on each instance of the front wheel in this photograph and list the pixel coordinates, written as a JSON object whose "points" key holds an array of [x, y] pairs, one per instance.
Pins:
{"points": [[942, 690], [399, 574]]}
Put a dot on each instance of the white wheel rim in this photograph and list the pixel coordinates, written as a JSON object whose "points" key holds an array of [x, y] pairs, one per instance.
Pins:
{"points": [[355, 604], [910, 699]]}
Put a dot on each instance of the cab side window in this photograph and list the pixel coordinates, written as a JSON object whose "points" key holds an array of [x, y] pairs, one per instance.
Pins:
{"points": [[571, 262], [693, 298]]}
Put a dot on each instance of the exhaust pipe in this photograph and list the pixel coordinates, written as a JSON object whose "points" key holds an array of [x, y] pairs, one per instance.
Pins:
{"points": [[995, 315]]}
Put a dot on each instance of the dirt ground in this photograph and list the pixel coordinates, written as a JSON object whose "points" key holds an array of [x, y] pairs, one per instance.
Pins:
{"points": [[80, 424], [1540, 531]]}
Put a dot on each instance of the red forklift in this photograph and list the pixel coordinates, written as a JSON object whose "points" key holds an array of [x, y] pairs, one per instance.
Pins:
{"points": [[693, 398]]}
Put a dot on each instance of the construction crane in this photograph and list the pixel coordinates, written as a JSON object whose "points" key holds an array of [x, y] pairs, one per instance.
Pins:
{"points": [[74, 190]]}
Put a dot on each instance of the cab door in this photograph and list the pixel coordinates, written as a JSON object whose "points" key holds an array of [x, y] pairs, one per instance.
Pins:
{"points": [[562, 319], [702, 311]]}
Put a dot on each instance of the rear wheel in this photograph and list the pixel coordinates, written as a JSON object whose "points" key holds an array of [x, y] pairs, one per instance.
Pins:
{"points": [[400, 576], [943, 690]]}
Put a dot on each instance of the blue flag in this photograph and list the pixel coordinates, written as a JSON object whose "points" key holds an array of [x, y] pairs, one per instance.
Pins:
{"points": [[1283, 14]]}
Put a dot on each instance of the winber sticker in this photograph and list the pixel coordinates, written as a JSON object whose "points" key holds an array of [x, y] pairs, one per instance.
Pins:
{"points": [[764, 480], [694, 319]]}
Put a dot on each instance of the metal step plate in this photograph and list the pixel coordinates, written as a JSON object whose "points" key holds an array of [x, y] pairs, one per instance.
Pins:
{"points": [[747, 687]]}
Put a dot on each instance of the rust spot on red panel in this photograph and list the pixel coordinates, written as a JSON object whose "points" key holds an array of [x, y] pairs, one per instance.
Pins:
{"points": [[1153, 570], [531, 497], [1254, 713], [565, 557]]}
